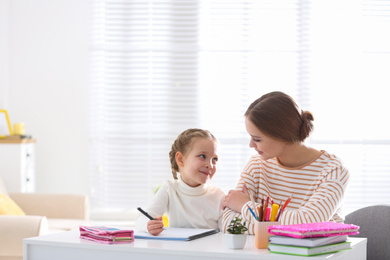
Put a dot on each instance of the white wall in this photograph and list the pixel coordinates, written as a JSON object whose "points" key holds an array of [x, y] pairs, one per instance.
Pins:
{"points": [[47, 86], [4, 52]]}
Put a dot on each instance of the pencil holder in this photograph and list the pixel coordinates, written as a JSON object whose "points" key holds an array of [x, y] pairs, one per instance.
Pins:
{"points": [[261, 233]]}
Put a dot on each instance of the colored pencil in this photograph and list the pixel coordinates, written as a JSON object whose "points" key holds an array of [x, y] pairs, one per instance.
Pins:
{"points": [[280, 211], [287, 201], [261, 210], [253, 213], [284, 206], [265, 208], [253, 205]]}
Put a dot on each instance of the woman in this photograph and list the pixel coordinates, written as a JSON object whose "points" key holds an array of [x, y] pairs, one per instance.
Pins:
{"points": [[285, 166]]}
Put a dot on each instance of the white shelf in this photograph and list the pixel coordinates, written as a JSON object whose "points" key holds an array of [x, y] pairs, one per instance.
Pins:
{"points": [[17, 166]]}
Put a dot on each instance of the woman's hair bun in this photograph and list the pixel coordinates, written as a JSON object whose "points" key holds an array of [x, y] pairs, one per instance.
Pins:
{"points": [[307, 124]]}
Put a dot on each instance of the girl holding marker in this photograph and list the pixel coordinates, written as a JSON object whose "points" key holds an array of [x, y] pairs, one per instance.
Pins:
{"points": [[188, 200], [284, 166]]}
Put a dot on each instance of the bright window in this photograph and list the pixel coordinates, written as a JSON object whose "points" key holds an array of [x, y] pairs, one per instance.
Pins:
{"points": [[160, 67]]}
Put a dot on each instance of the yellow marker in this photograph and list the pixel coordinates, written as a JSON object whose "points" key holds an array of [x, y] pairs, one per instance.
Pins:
{"points": [[274, 211], [165, 220]]}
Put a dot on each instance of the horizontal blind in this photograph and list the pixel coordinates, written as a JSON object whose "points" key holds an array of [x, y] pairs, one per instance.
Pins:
{"points": [[240, 59], [143, 94], [349, 53], [159, 67]]}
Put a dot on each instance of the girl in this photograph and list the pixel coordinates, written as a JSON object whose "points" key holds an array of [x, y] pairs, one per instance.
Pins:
{"points": [[285, 166], [187, 200]]}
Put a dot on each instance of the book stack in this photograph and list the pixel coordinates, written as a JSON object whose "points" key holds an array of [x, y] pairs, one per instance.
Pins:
{"points": [[106, 235], [310, 239]]}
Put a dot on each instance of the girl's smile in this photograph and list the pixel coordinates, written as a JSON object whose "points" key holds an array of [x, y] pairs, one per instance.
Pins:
{"points": [[199, 164]]}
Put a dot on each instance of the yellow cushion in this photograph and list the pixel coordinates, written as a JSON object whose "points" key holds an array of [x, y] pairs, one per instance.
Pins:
{"points": [[9, 207]]}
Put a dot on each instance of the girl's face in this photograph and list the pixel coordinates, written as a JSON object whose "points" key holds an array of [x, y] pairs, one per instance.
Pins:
{"points": [[198, 165], [264, 145]]}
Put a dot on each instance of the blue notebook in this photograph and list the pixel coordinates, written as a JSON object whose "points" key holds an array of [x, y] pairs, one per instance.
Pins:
{"points": [[180, 234]]}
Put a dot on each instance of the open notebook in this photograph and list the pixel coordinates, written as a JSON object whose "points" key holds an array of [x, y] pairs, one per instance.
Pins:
{"points": [[183, 234]]}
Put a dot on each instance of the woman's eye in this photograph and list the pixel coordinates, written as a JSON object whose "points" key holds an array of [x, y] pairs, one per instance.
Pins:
{"points": [[256, 140]]}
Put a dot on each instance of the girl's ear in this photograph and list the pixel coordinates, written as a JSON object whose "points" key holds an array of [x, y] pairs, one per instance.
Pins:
{"points": [[179, 159]]}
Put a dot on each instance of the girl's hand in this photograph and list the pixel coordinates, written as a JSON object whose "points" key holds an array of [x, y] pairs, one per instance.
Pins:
{"points": [[155, 227], [236, 199]]}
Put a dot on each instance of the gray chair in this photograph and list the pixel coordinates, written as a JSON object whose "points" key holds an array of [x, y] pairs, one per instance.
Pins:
{"points": [[374, 223]]}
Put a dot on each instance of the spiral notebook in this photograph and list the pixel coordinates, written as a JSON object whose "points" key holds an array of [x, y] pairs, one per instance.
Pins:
{"points": [[181, 234], [319, 229]]}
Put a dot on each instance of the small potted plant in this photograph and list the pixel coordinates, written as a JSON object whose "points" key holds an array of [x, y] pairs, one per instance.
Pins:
{"points": [[235, 236]]}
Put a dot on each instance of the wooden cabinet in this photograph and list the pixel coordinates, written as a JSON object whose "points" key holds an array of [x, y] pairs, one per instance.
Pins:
{"points": [[17, 164]]}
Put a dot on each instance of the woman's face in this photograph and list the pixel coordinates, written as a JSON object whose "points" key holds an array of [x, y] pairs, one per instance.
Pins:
{"points": [[267, 147]]}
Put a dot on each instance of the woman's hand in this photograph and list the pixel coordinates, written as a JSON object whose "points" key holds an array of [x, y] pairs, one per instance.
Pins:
{"points": [[155, 227], [236, 199]]}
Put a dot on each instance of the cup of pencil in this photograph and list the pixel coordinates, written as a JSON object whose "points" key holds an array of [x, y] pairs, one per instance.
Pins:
{"points": [[261, 233], [269, 215]]}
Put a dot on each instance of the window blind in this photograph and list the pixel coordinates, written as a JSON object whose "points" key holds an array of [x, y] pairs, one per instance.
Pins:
{"points": [[349, 47], [143, 94], [160, 67]]}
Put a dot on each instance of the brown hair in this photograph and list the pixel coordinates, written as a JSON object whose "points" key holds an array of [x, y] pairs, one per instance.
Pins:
{"points": [[183, 144], [277, 115]]}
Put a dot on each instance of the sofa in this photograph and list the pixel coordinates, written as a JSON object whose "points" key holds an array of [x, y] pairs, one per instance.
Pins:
{"points": [[38, 214]]}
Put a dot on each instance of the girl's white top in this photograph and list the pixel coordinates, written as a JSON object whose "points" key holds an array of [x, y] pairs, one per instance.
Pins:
{"points": [[185, 206]]}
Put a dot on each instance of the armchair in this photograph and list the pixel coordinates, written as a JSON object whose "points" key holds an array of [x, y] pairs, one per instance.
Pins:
{"points": [[45, 213]]}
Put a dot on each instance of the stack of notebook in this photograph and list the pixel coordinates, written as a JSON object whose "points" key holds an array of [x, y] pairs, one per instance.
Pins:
{"points": [[106, 235], [310, 239]]}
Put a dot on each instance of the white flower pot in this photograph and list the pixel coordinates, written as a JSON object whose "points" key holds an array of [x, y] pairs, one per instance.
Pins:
{"points": [[235, 241]]}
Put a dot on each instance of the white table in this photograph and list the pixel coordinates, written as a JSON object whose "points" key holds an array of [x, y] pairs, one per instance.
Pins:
{"points": [[67, 245]]}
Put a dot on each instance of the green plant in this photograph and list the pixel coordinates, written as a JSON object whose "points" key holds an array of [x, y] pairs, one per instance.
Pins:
{"points": [[236, 227]]}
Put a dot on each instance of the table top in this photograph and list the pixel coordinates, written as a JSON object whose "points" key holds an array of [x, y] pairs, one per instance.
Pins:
{"points": [[210, 246]]}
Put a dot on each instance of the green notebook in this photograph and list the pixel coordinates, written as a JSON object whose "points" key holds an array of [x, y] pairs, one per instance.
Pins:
{"points": [[308, 251]]}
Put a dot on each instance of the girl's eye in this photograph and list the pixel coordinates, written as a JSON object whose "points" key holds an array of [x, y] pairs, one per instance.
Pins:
{"points": [[215, 160], [202, 156]]}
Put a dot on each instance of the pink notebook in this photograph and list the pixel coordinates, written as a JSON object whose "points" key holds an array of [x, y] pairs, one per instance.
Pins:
{"points": [[106, 235], [320, 229]]}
